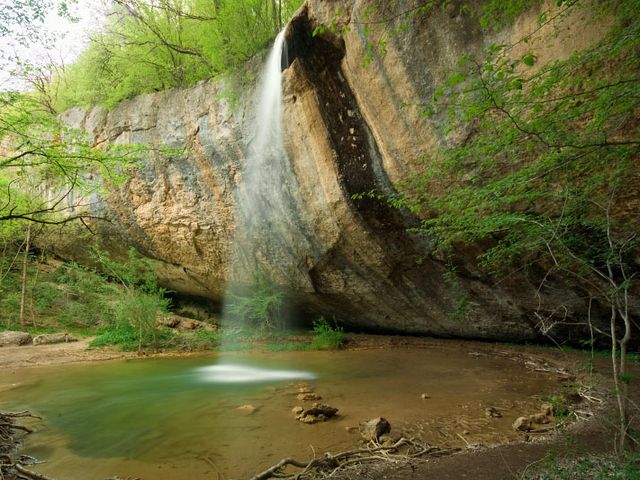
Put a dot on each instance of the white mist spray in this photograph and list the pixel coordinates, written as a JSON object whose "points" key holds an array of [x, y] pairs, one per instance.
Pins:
{"points": [[263, 214]]}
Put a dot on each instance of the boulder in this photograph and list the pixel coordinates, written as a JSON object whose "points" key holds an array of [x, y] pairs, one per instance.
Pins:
{"points": [[169, 322], [387, 440], [49, 338], [373, 429], [14, 338]]}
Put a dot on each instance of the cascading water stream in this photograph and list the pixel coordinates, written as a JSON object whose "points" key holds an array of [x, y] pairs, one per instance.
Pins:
{"points": [[261, 206]]}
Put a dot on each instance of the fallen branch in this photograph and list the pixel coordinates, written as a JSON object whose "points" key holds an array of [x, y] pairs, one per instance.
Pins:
{"points": [[330, 464], [271, 472], [30, 474]]}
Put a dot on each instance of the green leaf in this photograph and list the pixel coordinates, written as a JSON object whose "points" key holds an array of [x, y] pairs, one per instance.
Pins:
{"points": [[529, 60]]}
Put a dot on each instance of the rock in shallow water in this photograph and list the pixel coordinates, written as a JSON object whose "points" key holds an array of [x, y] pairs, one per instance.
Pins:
{"points": [[319, 412]]}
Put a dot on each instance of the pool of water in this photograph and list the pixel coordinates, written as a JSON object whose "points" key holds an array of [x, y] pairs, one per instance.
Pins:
{"points": [[179, 418]]}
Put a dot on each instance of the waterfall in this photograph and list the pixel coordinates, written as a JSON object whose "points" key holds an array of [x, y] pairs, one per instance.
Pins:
{"points": [[267, 139], [263, 213], [261, 202]]}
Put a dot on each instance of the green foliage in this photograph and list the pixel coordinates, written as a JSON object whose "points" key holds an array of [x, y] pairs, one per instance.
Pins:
{"points": [[590, 467], [152, 46], [22, 22], [496, 14], [459, 296], [327, 335], [554, 150], [10, 306], [39, 149], [261, 307], [82, 280], [123, 334], [69, 297], [140, 311], [137, 273], [560, 406], [193, 341]]}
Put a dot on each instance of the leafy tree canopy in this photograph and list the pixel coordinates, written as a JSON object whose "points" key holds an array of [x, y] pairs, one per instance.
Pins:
{"points": [[149, 46]]}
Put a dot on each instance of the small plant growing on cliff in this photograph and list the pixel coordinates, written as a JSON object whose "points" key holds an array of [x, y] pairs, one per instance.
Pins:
{"points": [[326, 335]]}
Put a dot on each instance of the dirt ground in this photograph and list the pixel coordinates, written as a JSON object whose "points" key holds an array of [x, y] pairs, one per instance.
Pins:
{"points": [[56, 354], [503, 462]]}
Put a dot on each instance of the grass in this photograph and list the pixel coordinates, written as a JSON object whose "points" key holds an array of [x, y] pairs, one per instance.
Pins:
{"points": [[195, 341], [590, 467]]}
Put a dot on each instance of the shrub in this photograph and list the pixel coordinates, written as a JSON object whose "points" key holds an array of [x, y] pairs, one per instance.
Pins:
{"points": [[261, 308], [123, 335], [327, 336], [135, 323]]}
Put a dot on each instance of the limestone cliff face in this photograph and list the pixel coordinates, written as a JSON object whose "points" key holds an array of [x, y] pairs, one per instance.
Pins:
{"points": [[353, 125]]}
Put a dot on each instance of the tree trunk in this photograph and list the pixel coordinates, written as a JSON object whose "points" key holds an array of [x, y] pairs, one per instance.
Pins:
{"points": [[623, 392], [274, 16], [23, 292]]}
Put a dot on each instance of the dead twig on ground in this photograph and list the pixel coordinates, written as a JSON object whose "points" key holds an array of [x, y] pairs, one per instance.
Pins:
{"points": [[401, 451]]}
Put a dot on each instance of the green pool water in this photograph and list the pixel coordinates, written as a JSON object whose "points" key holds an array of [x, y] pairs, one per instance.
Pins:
{"points": [[172, 418]]}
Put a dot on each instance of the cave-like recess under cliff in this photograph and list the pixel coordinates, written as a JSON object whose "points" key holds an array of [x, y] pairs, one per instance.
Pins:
{"points": [[350, 131]]}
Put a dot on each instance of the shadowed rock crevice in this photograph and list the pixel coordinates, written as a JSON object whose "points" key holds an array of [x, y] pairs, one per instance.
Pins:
{"points": [[358, 163]]}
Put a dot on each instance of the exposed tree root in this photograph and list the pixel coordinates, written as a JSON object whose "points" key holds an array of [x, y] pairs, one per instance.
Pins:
{"points": [[12, 466], [401, 451]]}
